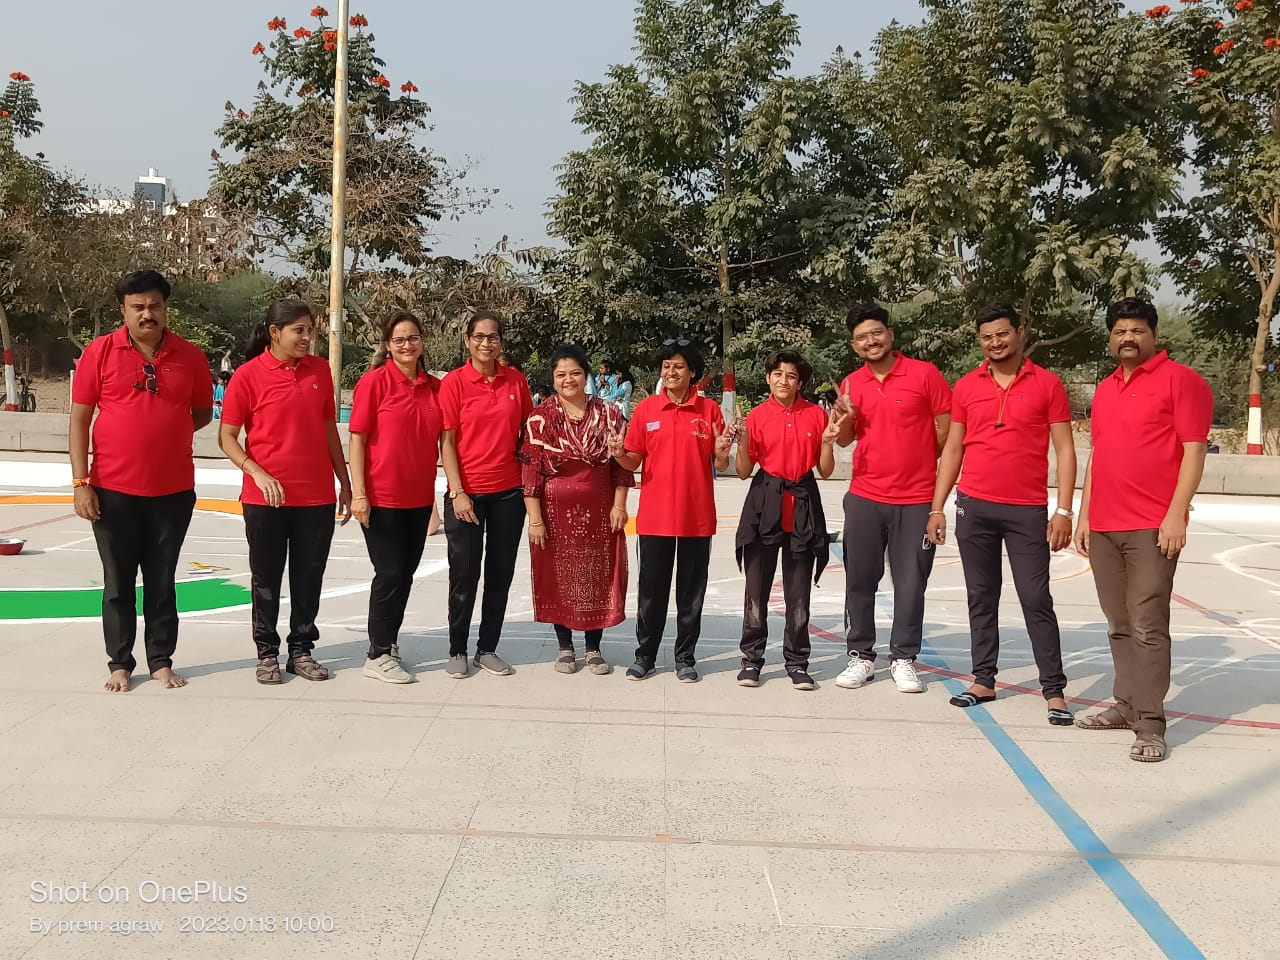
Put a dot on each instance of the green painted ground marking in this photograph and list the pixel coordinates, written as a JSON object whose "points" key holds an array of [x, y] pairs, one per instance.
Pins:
{"points": [[194, 596]]}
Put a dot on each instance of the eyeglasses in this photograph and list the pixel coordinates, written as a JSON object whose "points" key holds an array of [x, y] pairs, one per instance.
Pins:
{"points": [[676, 343], [993, 337], [148, 371], [412, 341], [486, 337], [869, 335]]}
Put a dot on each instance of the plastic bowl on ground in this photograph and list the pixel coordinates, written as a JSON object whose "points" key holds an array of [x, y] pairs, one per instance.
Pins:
{"points": [[10, 547]]}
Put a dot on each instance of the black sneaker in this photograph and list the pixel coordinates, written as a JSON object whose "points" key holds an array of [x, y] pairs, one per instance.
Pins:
{"points": [[800, 679], [749, 676], [687, 674], [639, 670]]}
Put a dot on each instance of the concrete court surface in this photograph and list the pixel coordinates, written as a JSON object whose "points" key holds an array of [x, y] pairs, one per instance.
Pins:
{"points": [[542, 815]]}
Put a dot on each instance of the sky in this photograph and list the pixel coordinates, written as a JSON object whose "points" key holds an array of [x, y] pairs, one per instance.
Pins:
{"points": [[126, 86]]}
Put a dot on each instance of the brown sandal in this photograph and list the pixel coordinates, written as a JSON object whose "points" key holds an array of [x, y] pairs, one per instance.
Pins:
{"points": [[596, 662], [1108, 719], [268, 670], [305, 666], [566, 662], [1145, 740]]}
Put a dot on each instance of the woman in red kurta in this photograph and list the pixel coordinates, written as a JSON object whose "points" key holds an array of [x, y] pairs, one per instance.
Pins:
{"points": [[576, 496]]}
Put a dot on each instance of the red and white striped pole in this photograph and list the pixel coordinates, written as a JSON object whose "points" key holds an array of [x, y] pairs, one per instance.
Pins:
{"points": [[1254, 435], [729, 404], [10, 382]]}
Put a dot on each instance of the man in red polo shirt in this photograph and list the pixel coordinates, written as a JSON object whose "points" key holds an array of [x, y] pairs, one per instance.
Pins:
{"points": [[1003, 415], [788, 437], [899, 410], [1150, 429], [152, 390]]}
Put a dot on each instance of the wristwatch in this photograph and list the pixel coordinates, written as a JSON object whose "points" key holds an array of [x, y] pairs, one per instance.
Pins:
{"points": [[453, 494], [1063, 512]]}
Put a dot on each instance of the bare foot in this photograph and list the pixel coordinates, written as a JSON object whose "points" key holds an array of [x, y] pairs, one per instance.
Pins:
{"points": [[170, 679], [978, 690], [1056, 703], [118, 682]]}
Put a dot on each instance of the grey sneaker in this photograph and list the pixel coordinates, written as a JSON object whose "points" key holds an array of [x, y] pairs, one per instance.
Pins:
{"points": [[687, 674], [457, 668], [387, 669], [493, 663]]}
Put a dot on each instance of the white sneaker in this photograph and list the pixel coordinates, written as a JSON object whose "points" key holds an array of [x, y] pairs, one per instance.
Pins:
{"points": [[857, 673], [905, 677], [387, 669]]}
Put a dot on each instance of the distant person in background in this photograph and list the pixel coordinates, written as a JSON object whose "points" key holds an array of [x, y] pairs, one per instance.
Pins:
{"points": [[220, 392], [152, 391], [484, 404], [623, 387], [282, 397], [395, 442], [1151, 421], [576, 497]]}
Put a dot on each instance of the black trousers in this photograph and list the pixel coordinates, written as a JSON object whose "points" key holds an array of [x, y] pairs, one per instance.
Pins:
{"points": [[395, 538], [501, 522], [689, 558], [759, 562], [871, 529], [982, 528], [140, 532], [564, 638], [300, 535]]}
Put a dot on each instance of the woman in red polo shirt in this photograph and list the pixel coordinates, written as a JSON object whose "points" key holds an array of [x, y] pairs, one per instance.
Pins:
{"points": [[283, 398], [395, 441], [677, 435], [484, 404]]}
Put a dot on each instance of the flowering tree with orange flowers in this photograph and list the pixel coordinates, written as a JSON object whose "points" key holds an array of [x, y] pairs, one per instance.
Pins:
{"points": [[1225, 244], [279, 180]]}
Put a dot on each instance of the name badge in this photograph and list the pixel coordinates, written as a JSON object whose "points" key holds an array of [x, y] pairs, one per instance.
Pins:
{"points": [[652, 425]]}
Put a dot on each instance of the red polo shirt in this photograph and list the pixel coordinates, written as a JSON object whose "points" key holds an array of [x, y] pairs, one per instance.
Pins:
{"points": [[488, 416], [1138, 430], [677, 441], [896, 459], [400, 421], [786, 441], [142, 440], [1008, 463], [284, 411]]}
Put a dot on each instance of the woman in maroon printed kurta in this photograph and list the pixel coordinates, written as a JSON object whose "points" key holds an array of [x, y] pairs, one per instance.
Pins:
{"points": [[576, 495]]}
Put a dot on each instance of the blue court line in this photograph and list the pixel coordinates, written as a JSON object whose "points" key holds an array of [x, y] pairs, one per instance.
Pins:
{"points": [[1159, 926]]}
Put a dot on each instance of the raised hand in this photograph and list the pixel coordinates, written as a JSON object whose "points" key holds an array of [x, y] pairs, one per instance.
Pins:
{"points": [[835, 422], [617, 445]]}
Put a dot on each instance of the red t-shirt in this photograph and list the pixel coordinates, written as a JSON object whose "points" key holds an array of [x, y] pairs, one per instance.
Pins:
{"points": [[488, 416], [896, 459], [400, 421], [285, 411], [677, 493], [786, 442], [1138, 430], [1008, 463], [142, 440]]}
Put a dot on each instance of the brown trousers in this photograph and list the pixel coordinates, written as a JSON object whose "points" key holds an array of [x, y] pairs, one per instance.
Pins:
{"points": [[1134, 582]]}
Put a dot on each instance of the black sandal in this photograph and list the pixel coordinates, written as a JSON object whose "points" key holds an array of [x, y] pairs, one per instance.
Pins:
{"points": [[967, 699], [1061, 718], [305, 666]]}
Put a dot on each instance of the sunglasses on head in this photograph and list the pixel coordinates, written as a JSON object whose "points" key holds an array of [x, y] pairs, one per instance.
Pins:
{"points": [[676, 343], [148, 371]]}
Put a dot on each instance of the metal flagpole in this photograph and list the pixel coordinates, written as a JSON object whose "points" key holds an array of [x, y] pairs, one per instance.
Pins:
{"points": [[337, 237]]}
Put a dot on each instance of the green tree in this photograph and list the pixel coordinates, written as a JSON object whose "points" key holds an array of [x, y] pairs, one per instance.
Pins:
{"points": [[278, 184], [1225, 245], [1028, 147], [696, 209]]}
